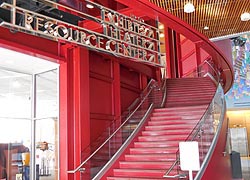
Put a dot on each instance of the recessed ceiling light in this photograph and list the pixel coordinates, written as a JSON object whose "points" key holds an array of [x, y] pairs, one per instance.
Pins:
{"points": [[90, 6], [206, 28], [189, 8], [245, 16]]}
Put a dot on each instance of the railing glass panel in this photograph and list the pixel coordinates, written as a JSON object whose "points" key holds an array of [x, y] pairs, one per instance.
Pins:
{"points": [[103, 149], [205, 133]]}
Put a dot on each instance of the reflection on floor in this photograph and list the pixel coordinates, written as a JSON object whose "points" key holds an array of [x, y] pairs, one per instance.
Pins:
{"points": [[47, 178], [245, 166]]}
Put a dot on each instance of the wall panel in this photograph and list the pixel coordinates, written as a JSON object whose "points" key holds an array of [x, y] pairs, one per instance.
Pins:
{"points": [[130, 87]]}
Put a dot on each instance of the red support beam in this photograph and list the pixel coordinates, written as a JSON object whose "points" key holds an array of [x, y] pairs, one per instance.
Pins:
{"points": [[179, 55], [66, 109], [74, 110]]}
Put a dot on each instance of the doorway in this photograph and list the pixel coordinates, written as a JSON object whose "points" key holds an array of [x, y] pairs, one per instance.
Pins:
{"points": [[28, 117]]}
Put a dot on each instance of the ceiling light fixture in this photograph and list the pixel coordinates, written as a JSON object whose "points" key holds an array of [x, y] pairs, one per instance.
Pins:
{"points": [[90, 6], [245, 16], [206, 28], [189, 7]]}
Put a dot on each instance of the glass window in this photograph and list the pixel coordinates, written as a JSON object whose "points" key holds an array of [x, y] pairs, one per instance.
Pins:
{"points": [[16, 125]]}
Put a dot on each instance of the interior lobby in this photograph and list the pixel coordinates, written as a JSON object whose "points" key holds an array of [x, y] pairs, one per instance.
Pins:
{"points": [[36, 92]]}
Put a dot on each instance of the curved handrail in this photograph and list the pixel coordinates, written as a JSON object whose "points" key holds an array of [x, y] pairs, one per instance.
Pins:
{"points": [[214, 142], [128, 110], [79, 168], [139, 98], [198, 73], [128, 141], [197, 131], [164, 91]]}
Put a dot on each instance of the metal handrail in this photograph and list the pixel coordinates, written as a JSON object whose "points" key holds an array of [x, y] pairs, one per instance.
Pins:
{"points": [[197, 127], [195, 71], [138, 99], [212, 146], [128, 141], [164, 91], [133, 104], [111, 136]]}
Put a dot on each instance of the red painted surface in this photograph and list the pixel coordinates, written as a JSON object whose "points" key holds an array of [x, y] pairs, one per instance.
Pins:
{"points": [[169, 47], [31, 45], [74, 110], [96, 88], [130, 86], [154, 149], [226, 48]]}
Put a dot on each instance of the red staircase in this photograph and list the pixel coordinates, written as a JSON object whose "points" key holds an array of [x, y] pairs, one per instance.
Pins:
{"points": [[154, 150]]}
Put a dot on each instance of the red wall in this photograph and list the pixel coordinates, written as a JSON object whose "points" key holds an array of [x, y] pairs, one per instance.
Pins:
{"points": [[187, 55], [226, 48], [104, 92], [101, 97], [190, 55], [130, 87]]}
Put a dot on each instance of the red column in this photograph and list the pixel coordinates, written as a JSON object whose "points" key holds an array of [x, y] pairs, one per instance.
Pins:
{"points": [[168, 53], [143, 81], [178, 49], [74, 110], [171, 53]]}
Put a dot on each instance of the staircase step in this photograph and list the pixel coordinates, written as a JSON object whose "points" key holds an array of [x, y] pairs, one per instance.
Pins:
{"points": [[136, 178], [166, 132], [170, 127], [139, 173], [182, 93], [157, 150], [176, 115], [190, 79], [169, 122], [156, 144], [150, 157], [175, 118], [163, 138], [145, 165], [181, 109], [179, 113], [187, 103], [190, 90], [188, 97]]}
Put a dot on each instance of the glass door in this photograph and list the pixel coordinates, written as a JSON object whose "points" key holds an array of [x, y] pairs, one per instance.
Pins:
{"points": [[46, 125], [15, 123], [28, 117], [28, 125]]}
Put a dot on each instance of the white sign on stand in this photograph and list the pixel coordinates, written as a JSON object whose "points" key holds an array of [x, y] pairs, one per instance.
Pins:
{"points": [[189, 157]]}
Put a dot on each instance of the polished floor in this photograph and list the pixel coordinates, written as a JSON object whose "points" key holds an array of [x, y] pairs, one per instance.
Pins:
{"points": [[245, 166]]}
